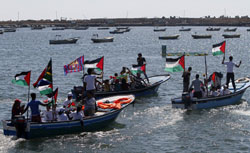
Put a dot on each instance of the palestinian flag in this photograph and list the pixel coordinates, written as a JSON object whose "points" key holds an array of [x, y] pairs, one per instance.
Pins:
{"points": [[55, 94], [44, 82], [213, 77], [219, 49], [175, 65], [22, 79], [95, 64], [138, 69]]}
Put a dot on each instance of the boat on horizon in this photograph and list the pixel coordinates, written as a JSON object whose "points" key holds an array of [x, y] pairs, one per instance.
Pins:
{"points": [[157, 29], [101, 119], [117, 31], [214, 101], [171, 37], [10, 30], [155, 82], [213, 29], [58, 40], [1, 31], [230, 29], [58, 28], [103, 28], [185, 29], [81, 28], [196, 36], [231, 36], [96, 39]]}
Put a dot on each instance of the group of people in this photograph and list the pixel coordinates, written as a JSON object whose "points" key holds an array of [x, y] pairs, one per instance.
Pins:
{"points": [[118, 82], [199, 89]]}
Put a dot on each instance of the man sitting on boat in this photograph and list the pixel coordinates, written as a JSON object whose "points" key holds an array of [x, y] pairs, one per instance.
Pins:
{"points": [[68, 102], [136, 81], [34, 106], [230, 73], [197, 83], [62, 116], [90, 105], [225, 90], [77, 115], [214, 92]]}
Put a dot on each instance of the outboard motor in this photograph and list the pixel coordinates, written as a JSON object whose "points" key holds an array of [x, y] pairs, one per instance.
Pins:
{"points": [[186, 99]]}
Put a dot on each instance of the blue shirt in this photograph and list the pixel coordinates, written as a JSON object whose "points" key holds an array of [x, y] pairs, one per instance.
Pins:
{"points": [[34, 106]]}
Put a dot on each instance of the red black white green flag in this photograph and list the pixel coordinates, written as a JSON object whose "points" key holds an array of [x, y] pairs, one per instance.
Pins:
{"points": [[138, 69], [22, 79], [175, 64], [95, 64], [219, 49], [45, 83]]}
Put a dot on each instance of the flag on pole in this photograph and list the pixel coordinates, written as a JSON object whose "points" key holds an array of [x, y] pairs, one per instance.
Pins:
{"points": [[175, 64], [75, 66], [138, 69], [45, 83], [219, 49], [55, 93], [22, 79], [95, 64]]}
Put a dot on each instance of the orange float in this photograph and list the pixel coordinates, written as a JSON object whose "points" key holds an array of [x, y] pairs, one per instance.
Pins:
{"points": [[117, 104]]}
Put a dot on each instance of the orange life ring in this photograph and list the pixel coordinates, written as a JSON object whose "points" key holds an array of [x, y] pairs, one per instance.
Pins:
{"points": [[123, 100]]}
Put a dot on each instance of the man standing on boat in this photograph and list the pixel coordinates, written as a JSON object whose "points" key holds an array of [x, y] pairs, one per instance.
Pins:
{"points": [[140, 62], [90, 81], [186, 79], [197, 83], [230, 72], [34, 106]]}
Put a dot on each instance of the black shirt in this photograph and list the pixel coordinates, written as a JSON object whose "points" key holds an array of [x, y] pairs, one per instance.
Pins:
{"points": [[141, 61], [186, 76]]}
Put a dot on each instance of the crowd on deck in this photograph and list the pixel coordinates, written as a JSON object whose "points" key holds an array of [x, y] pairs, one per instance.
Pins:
{"points": [[202, 89]]}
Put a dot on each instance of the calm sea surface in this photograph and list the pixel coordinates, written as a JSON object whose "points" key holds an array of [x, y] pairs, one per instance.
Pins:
{"points": [[151, 125]]}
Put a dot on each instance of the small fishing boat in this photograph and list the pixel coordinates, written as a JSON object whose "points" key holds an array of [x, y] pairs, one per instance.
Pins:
{"points": [[37, 27], [117, 31], [58, 28], [230, 30], [185, 29], [217, 101], [102, 118], [122, 28], [231, 36], [155, 82], [63, 41], [1, 31], [159, 29], [248, 29], [103, 28], [96, 39], [10, 30], [213, 29], [195, 36], [81, 28], [169, 37]]}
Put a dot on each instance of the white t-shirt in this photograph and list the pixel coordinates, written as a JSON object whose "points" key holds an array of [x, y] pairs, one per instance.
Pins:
{"points": [[76, 116], [90, 80], [230, 66], [48, 116], [66, 104], [62, 117]]}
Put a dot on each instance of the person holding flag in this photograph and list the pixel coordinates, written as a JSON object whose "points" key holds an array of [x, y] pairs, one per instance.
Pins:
{"points": [[141, 62], [230, 72]]}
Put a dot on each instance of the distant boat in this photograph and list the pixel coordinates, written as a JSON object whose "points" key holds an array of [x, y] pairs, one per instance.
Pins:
{"points": [[117, 31], [10, 30], [169, 37], [248, 29], [95, 39], [230, 30], [1, 31], [103, 28], [159, 29], [231, 36], [81, 28], [213, 29], [195, 36], [185, 29], [58, 28], [122, 28], [37, 27], [63, 41]]}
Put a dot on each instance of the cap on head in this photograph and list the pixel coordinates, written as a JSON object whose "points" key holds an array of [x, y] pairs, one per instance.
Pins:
{"points": [[18, 101], [70, 94]]}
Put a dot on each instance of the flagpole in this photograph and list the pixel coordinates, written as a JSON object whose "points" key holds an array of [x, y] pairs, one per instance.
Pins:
{"points": [[28, 102], [82, 80], [206, 73]]}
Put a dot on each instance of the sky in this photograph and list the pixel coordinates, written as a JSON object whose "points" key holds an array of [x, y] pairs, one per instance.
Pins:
{"points": [[87, 9]]}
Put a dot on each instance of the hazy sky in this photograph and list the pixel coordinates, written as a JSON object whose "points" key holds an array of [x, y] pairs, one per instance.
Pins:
{"points": [[86, 9]]}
